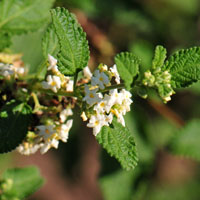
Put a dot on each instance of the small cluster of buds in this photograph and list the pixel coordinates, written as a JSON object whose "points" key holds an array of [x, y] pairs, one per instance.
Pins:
{"points": [[160, 80]]}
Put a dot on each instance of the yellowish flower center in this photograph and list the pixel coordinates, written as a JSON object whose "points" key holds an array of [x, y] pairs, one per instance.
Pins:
{"points": [[102, 104], [114, 112], [53, 83], [91, 95], [96, 123], [47, 131]]}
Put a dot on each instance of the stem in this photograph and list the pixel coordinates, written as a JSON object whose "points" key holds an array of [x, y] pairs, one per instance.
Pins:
{"points": [[75, 80], [37, 103], [167, 113], [59, 93], [117, 86]]}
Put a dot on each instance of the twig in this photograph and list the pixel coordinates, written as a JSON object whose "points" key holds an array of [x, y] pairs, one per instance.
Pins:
{"points": [[167, 113]]}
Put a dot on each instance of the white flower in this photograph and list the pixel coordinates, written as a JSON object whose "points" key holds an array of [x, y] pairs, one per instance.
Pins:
{"points": [[27, 148], [69, 86], [87, 73], [19, 70], [96, 122], [168, 98], [108, 119], [115, 96], [126, 101], [49, 136], [54, 69], [45, 131], [100, 107], [6, 70], [83, 116], [121, 120], [119, 116], [103, 68], [53, 83], [100, 79], [91, 96], [115, 74], [53, 65], [63, 130], [65, 113], [52, 60], [53, 142]]}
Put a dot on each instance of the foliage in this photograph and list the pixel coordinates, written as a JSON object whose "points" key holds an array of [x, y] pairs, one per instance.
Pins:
{"points": [[50, 42], [37, 102], [21, 16], [74, 50], [119, 142], [128, 67], [184, 67], [14, 121]]}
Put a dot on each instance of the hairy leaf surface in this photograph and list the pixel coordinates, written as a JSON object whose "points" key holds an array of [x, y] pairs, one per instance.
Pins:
{"points": [[119, 142], [184, 66], [50, 44], [159, 57], [74, 50], [128, 67]]}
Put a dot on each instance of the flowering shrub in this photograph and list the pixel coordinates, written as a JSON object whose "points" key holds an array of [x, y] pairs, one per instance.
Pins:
{"points": [[36, 113]]}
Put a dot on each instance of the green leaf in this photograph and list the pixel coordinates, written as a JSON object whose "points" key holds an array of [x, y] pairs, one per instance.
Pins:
{"points": [[119, 142], [50, 43], [74, 50], [14, 121], [128, 67], [21, 182], [184, 67], [187, 141], [159, 57], [19, 16], [5, 40]]}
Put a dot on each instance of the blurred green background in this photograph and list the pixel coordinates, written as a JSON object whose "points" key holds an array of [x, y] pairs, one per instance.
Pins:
{"points": [[138, 26]]}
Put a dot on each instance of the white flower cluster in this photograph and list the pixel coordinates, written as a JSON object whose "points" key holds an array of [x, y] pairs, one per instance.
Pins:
{"points": [[56, 80], [47, 136], [8, 70], [105, 106]]}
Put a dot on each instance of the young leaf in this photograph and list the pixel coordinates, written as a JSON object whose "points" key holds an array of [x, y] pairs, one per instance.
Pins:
{"points": [[184, 67], [14, 121], [74, 50], [187, 141], [159, 57], [119, 142], [22, 182], [19, 16], [50, 43], [127, 66]]}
